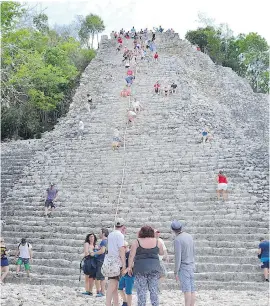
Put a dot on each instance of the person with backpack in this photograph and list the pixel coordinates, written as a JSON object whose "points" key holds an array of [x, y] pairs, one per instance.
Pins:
{"points": [[90, 263], [24, 255]]}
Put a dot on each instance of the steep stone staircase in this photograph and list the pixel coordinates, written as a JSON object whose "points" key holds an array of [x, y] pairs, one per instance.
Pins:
{"points": [[168, 174]]}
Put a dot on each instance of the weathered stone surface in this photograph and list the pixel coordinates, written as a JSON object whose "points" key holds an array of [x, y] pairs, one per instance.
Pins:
{"points": [[168, 175]]}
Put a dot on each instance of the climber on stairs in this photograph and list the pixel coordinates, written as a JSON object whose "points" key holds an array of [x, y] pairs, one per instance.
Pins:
{"points": [[131, 116], [157, 87], [173, 88], [137, 107], [222, 186], [116, 140], [51, 196], [81, 129], [156, 57]]}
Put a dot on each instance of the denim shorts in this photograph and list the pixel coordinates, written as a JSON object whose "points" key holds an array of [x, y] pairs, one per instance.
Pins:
{"points": [[186, 277], [99, 275]]}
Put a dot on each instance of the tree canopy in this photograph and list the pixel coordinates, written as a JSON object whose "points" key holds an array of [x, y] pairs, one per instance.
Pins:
{"points": [[40, 69], [247, 55]]}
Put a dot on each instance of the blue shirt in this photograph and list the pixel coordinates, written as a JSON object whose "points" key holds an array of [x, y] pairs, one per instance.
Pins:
{"points": [[103, 243], [264, 246]]}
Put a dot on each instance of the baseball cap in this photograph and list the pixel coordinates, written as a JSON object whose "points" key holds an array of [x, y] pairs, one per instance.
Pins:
{"points": [[119, 223], [52, 184], [176, 225]]}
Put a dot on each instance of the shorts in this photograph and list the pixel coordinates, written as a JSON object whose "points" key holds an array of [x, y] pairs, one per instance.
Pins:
{"points": [[186, 277], [265, 265], [24, 261], [92, 273], [126, 282], [4, 262], [49, 203], [222, 186], [99, 275]]}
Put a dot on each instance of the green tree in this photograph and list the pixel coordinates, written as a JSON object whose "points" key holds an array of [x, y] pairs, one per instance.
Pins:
{"points": [[39, 72], [91, 26], [10, 13]]}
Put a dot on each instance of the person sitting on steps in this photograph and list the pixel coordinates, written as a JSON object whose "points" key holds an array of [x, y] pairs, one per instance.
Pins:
{"points": [[116, 140]]}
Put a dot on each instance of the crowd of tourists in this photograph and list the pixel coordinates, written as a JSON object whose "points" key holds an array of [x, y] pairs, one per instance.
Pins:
{"points": [[139, 263]]}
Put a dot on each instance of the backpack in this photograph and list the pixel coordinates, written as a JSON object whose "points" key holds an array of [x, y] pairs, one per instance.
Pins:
{"points": [[87, 264]]}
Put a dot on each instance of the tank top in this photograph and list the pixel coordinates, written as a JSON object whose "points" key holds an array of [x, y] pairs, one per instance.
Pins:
{"points": [[3, 252], [146, 260], [222, 179]]}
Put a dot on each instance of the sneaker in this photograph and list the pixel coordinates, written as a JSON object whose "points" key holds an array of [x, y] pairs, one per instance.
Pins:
{"points": [[87, 293], [267, 280], [100, 294]]}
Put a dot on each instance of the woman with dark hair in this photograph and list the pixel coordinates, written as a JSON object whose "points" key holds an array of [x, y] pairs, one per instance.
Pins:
{"points": [[90, 264], [144, 253]]}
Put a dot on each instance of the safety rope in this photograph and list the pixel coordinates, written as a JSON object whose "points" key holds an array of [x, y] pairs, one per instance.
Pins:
{"points": [[123, 171]]}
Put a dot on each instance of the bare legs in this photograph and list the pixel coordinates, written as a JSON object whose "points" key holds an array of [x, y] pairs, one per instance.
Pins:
{"points": [[224, 194], [100, 286], [189, 298], [266, 273], [112, 293], [4, 272]]}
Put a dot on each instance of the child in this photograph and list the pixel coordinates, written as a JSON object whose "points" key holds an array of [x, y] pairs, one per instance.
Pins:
{"points": [[126, 282]]}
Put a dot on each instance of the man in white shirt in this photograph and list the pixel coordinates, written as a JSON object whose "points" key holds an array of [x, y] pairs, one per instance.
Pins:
{"points": [[24, 254], [116, 247], [81, 129]]}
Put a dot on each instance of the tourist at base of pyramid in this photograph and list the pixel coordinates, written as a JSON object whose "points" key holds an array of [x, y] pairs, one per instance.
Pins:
{"points": [[100, 255], [184, 265], [144, 253], [126, 282], [90, 264], [4, 260], [116, 249], [263, 254], [24, 255]]}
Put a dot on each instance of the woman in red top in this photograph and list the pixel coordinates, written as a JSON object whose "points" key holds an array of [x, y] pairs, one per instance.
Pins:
{"points": [[222, 186], [156, 57]]}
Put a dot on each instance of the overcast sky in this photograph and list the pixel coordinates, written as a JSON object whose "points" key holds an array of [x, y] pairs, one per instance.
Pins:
{"points": [[242, 16]]}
